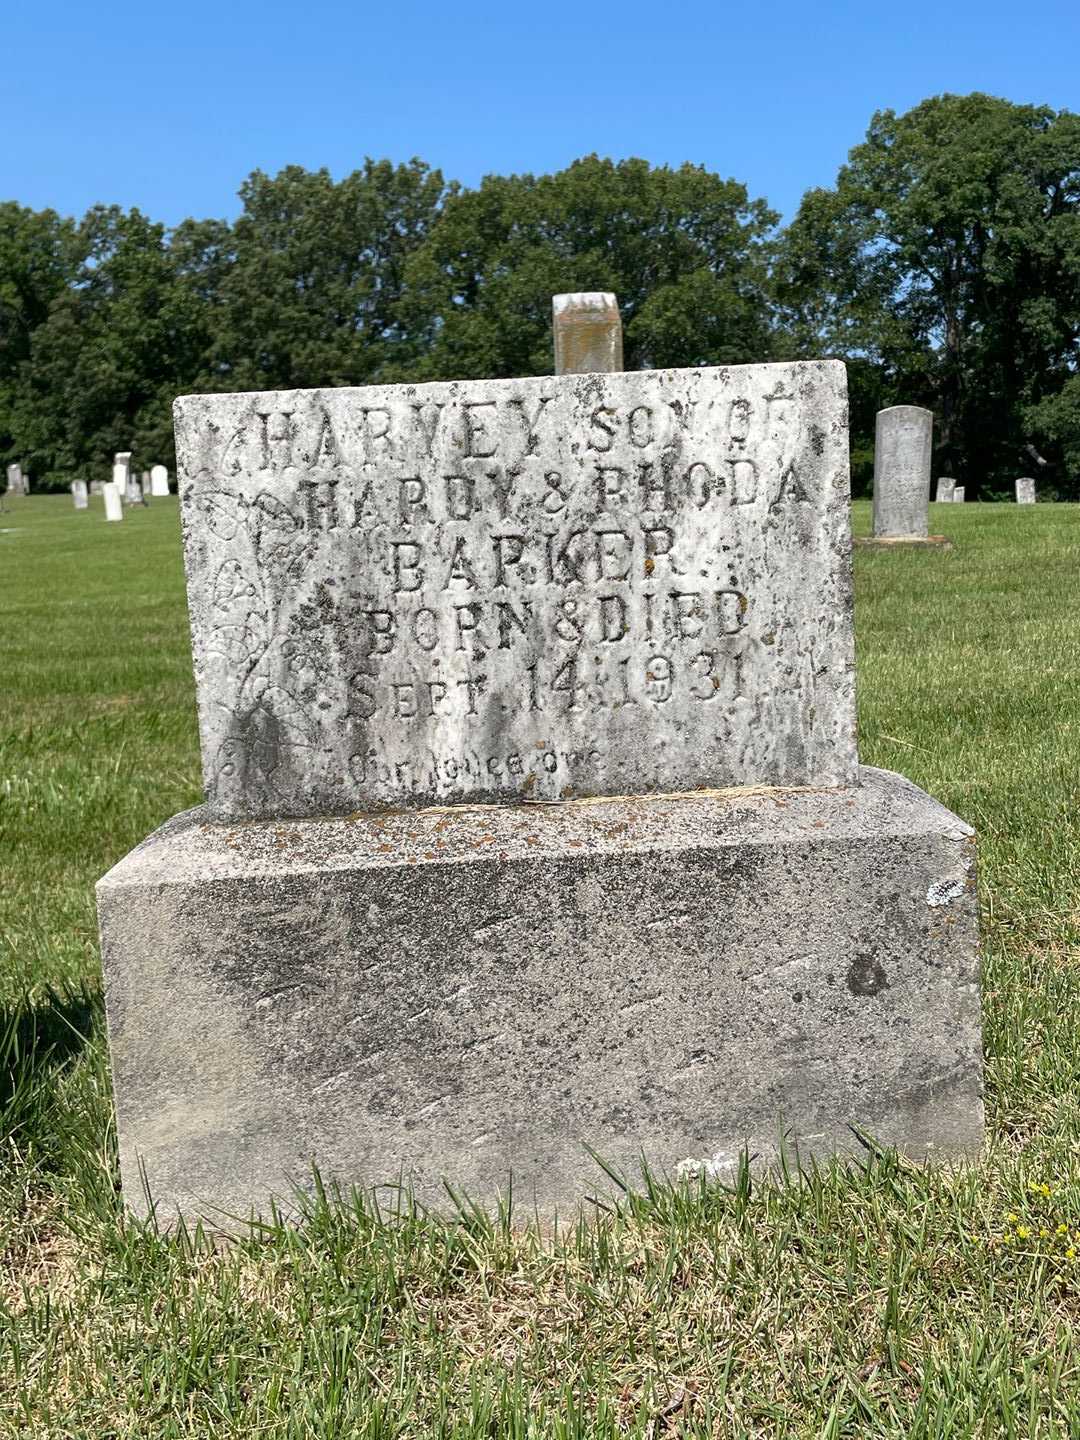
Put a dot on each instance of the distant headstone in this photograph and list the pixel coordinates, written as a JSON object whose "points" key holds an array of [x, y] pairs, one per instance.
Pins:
{"points": [[95, 487], [114, 509], [588, 334], [159, 481], [958, 495], [79, 494], [902, 444], [945, 487], [1025, 491], [144, 484], [417, 611], [121, 474], [14, 479]]}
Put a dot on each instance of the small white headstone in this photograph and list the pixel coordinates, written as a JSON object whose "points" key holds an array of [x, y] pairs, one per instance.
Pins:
{"points": [[95, 487], [1025, 491], [114, 510], [79, 494], [144, 483], [945, 487], [121, 471], [958, 495], [159, 481]]}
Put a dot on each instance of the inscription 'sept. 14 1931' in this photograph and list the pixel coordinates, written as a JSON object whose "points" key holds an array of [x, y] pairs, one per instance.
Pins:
{"points": [[519, 589]]}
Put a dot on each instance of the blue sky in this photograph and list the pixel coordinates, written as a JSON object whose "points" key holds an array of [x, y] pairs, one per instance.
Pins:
{"points": [[169, 106]]}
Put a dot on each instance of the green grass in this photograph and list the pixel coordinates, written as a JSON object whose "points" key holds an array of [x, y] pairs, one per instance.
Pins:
{"points": [[875, 1300]]}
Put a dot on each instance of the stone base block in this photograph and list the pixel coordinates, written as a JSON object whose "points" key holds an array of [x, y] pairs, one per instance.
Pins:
{"points": [[890, 542], [474, 994]]}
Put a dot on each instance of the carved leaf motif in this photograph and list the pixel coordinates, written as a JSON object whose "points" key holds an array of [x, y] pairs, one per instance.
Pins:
{"points": [[234, 590], [223, 512]]}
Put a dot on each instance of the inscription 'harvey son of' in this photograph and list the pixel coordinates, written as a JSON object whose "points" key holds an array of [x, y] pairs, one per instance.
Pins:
{"points": [[519, 589]]}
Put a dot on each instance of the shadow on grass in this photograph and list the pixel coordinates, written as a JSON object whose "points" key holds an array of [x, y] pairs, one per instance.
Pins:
{"points": [[39, 1041]]}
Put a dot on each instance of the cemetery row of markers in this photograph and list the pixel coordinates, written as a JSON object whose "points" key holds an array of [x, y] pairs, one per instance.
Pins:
{"points": [[125, 488], [534, 826]]}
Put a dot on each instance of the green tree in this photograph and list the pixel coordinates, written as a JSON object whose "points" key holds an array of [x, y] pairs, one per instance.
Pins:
{"points": [[39, 257], [119, 343], [306, 289], [947, 259], [685, 252]]}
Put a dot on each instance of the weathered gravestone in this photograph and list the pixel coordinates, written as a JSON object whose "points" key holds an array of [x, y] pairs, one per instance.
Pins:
{"points": [[159, 481], [902, 451], [14, 479], [1025, 491], [114, 509], [121, 472], [79, 494], [416, 613], [958, 495], [945, 487], [144, 485]]}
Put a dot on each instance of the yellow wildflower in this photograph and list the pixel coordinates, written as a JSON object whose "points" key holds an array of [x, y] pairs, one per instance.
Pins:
{"points": [[1022, 1232], [1062, 1229], [1012, 1218], [1070, 1253]]}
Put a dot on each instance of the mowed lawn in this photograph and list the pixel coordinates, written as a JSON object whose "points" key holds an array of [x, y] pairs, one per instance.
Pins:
{"points": [[873, 1300]]}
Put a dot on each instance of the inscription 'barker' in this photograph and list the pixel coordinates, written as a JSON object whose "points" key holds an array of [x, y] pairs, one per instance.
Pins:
{"points": [[527, 589]]}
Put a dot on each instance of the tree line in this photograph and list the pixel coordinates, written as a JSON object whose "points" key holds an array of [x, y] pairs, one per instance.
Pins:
{"points": [[943, 266]]}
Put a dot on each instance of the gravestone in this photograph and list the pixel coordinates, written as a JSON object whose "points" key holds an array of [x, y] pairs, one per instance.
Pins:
{"points": [[121, 473], [14, 479], [902, 449], [159, 481], [945, 487], [114, 509], [534, 819], [1025, 491], [96, 487], [79, 494], [958, 495], [144, 485]]}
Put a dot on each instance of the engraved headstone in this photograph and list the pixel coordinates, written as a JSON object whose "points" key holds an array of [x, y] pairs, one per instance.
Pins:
{"points": [[958, 495], [588, 333], [945, 487], [1025, 491], [114, 509], [410, 603], [79, 494], [902, 441], [159, 481], [518, 589]]}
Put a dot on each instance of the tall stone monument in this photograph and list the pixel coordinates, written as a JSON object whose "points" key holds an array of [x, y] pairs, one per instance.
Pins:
{"points": [[114, 509], [534, 822], [945, 487], [1025, 491], [79, 494], [159, 481], [902, 452], [121, 472]]}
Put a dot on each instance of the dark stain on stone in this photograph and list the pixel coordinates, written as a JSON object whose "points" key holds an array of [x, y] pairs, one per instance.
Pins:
{"points": [[866, 976]]}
